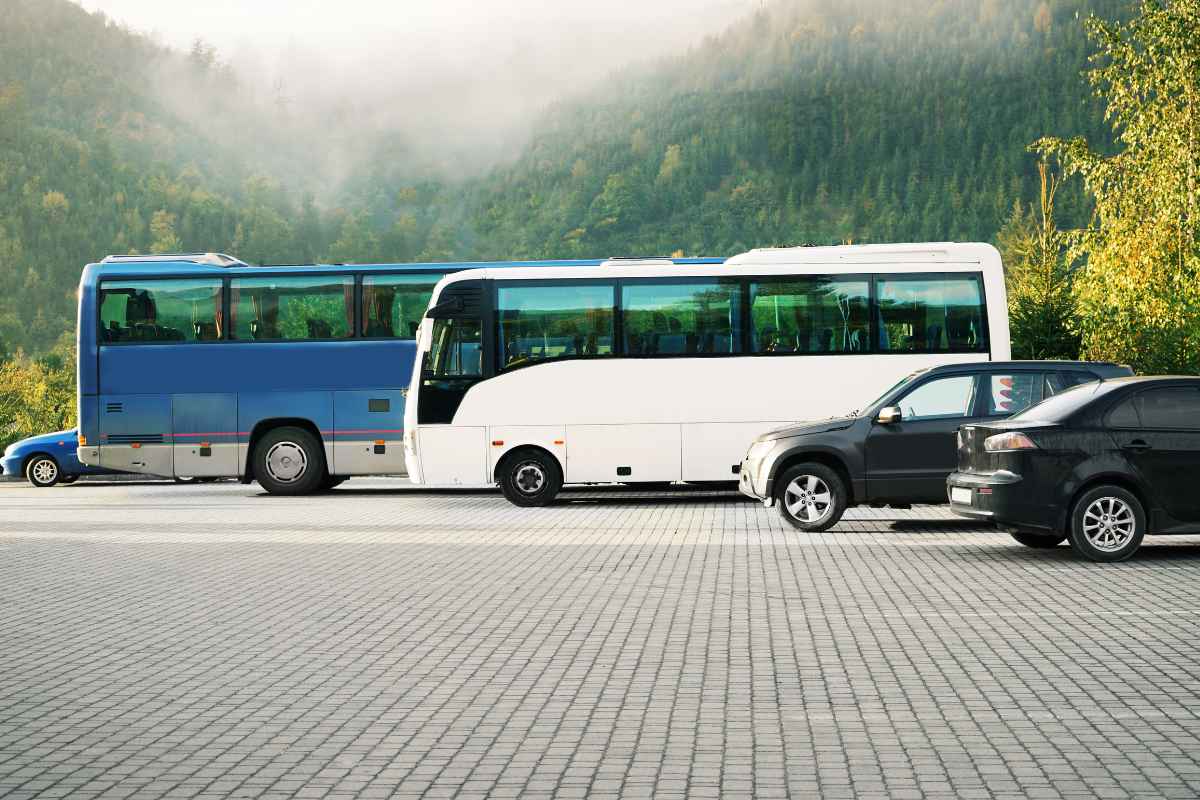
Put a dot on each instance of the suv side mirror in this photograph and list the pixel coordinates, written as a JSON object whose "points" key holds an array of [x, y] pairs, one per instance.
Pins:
{"points": [[888, 415]]}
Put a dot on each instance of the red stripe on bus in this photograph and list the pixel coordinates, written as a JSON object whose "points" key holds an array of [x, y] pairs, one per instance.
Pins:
{"points": [[247, 433]]}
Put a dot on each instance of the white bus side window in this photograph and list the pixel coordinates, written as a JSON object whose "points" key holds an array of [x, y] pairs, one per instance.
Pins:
{"points": [[676, 319], [544, 323], [817, 314], [931, 315]]}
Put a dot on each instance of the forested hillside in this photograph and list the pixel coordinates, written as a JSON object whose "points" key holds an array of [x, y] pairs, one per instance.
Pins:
{"points": [[810, 121]]}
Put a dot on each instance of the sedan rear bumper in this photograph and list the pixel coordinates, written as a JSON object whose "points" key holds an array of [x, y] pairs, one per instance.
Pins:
{"points": [[1000, 497]]}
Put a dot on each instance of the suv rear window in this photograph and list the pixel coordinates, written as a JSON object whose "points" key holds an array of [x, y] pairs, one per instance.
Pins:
{"points": [[1011, 392]]}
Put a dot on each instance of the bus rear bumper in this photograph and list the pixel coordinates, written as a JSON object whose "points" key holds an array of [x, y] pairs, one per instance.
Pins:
{"points": [[89, 456]]}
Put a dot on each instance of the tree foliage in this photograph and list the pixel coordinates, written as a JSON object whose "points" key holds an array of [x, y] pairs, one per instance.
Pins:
{"points": [[1041, 308], [37, 395], [1138, 294]]}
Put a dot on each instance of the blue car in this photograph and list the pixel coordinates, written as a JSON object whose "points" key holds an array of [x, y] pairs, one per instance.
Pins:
{"points": [[47, 459]]}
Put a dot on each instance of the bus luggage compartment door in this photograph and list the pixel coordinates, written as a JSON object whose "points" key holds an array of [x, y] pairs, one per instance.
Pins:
{"points": [[205, 434], [135, 433], [623, 453], [453, 455]]}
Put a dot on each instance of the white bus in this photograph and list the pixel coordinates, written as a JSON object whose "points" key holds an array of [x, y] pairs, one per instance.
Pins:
{"points": [[640, 372]]}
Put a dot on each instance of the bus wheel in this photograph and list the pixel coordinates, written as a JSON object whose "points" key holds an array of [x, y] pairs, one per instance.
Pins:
{"points": [[42, 471], [530, 478], [289, 460]]}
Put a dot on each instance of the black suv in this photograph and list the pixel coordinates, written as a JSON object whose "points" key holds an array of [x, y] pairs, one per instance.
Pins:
{"points": [[1102, 465], [900, 448]]}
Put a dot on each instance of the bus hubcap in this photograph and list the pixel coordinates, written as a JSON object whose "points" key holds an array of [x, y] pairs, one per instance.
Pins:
{"points": [[286, 462], [44, 471], [1108, 523], [530, 478], [808, 499]]}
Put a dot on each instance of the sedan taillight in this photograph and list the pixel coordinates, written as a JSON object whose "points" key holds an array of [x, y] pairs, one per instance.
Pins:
{"points": [[1003, 442]]}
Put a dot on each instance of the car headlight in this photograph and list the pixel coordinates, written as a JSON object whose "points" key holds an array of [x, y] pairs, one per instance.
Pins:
{"points": [[758, 451]]}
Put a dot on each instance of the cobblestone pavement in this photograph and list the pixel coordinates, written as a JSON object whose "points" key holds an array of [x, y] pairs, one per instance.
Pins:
{"points": [[213, 641]]}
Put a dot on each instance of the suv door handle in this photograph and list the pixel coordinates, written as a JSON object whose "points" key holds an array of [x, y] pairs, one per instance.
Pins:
{"points": [[1137, 444]]}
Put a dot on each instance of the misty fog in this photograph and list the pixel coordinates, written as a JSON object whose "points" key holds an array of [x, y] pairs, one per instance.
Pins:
{"points": [[458, 81]]}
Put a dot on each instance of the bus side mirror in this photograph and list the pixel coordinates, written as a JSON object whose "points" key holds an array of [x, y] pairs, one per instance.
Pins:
{"points": [[448, 308], [888, 415]]}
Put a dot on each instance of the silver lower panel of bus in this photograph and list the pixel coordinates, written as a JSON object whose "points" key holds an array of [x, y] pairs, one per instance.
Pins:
{"points": [[230, 460]]}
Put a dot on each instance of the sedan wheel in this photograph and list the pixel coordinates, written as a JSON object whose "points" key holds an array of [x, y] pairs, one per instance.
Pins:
{"points": [[42, 471], [1107, 524]]}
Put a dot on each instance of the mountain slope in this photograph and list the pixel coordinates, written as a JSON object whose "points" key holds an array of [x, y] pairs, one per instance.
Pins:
{"points": [[807, 123]]}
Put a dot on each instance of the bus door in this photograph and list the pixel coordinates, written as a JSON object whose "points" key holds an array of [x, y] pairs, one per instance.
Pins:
{"points": [[454, 362]]}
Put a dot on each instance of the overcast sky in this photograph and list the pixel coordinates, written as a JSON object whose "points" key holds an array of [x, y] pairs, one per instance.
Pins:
{"points": [[460, 77], [343, 29]]}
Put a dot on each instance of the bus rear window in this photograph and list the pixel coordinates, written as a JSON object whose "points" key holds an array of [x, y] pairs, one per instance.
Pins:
{"points": [[182, 310]]}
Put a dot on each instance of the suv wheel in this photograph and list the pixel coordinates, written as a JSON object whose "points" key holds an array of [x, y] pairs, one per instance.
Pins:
{"points": [[1107, 524], [811, 497], [530, 478], [1039, 540]]}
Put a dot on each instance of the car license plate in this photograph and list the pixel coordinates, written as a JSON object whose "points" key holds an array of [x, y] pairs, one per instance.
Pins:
{"points": [[960, 495]]}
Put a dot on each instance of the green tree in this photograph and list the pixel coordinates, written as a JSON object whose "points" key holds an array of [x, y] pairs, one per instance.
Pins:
{"points": [[162, 229], [37, 395], [1139, 293], [1041, 308]]}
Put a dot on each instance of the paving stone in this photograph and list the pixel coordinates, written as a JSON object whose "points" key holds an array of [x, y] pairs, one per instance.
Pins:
{"points": [[212, 641]]}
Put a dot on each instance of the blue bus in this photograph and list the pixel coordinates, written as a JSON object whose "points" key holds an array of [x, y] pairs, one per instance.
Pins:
{"points": [[200, 365]]}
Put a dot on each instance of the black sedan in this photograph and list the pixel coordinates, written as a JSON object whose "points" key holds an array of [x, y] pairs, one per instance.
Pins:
{"points": [[1101, 465]]}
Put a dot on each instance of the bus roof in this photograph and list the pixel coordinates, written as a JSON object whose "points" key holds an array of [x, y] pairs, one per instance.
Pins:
{"points": [[220, 264], [845, 259]]}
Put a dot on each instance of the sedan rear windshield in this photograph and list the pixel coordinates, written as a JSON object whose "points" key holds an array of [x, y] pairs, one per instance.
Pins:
{"points": [[1062, 405]]}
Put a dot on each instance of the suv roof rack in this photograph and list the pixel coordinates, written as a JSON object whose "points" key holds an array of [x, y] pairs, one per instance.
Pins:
{"points": [[213, 259]]}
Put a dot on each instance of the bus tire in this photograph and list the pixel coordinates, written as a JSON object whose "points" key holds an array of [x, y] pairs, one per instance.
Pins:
{"points": [[290, 461], [42, 471], [333, 481], [530, 478]]}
